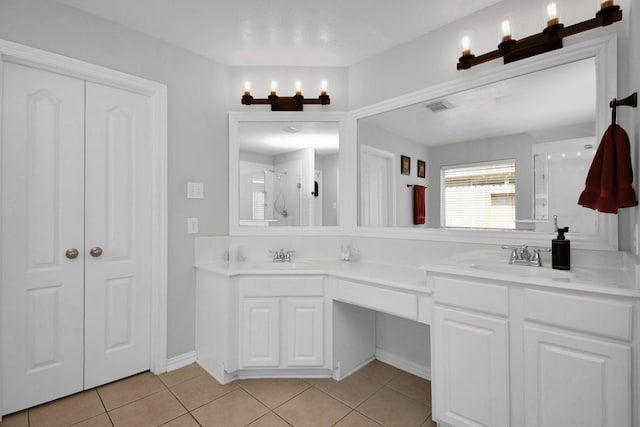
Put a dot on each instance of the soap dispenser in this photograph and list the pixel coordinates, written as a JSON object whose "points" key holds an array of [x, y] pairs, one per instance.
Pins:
{"points": [[561, 249]]}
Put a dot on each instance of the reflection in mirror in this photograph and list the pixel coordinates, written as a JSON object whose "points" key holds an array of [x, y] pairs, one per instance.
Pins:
{"points": [[508, 155], [288, 173]]}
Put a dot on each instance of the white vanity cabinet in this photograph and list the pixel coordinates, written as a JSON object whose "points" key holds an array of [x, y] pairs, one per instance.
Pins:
{"points": [[282, 322], [470, 363], [262, 325], [514, 354]]}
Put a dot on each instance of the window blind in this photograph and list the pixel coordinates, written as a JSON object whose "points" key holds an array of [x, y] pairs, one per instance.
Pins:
{"points": [[479, 195]]}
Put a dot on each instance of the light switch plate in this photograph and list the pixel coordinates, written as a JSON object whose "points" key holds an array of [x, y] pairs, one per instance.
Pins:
{"points": [[192, 225], [195, 190]]}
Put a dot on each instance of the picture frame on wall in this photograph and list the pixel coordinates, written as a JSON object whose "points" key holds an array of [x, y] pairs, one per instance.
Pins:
{"points": [[405, 165], [422, 169]]}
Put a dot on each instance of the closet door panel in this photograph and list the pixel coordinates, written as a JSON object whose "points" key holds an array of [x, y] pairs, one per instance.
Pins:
{"points": [[118, 200], [42, 217]]}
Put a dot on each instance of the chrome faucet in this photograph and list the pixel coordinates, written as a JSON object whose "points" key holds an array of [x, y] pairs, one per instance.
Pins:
{"points": [[282, 255], [522, 256]]}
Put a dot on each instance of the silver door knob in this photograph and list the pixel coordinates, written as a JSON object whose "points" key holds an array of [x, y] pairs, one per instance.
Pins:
{"points": [[96, 251], [71, 253]]}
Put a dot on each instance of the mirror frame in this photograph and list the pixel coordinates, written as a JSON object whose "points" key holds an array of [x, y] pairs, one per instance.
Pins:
{"points": [[603, 49], [235, 119]]}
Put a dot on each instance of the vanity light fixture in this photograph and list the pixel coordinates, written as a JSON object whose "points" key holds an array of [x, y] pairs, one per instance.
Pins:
{"points": [[549, 39], [286, 103]]}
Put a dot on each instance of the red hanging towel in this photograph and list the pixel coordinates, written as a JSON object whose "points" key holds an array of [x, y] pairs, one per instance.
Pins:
{"points": [[419, 204], [609, 183]]}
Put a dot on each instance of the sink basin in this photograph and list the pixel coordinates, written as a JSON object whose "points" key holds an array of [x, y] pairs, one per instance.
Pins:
{"points": [[523, 270]]}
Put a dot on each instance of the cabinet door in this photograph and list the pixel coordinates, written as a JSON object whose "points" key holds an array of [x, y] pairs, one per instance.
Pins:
{"points": [[305, 332], [571, 380], [470, 369], [260, 332]]}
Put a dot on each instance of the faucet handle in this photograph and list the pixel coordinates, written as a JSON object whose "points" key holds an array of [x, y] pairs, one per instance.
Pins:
{"points": [[514, 256], [537, 259]]}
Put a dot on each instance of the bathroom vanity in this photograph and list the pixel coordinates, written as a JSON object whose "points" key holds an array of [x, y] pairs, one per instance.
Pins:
{"points": [[513, 345], [510, 345], [276, 319]]}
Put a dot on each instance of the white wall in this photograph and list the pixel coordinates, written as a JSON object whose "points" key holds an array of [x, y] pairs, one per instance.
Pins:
{"points": [[197, 89]]}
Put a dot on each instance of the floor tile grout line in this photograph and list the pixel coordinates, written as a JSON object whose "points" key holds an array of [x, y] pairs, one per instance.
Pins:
{"points": [[204, 404], [179, 401], [345, 416], [409, 397], [287, 422], [334, 397], [180, 416], [291, 398], [135, 400], [105, 407], [368, 417], [352, 407], [185, 380]]}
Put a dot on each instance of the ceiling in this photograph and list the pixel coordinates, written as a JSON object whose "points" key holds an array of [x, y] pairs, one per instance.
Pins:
{"points": [[273, 138], [283, 32], [555, 98]]}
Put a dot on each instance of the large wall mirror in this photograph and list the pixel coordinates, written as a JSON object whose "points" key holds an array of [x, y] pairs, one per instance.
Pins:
{"points": [[285, 172], [500, 155]]}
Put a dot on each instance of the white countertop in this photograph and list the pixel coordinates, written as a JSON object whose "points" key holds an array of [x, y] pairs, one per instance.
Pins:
{"points": [[597, 279], [393, 276], [482, 265]]}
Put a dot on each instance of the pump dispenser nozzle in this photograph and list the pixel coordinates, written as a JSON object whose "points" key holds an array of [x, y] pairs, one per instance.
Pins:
{"points": [[560, 248], [561, 232]]}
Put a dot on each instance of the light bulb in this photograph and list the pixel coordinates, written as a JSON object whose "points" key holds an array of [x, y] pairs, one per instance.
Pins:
{"points": [[605, 3], [552, 13], [506, 30], [274, 86], [323, 87], [466, 45], [298, 87], [247, 87]]}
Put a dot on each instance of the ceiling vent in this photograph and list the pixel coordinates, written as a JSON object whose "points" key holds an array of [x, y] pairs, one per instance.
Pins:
{"points": [[439, 106]]}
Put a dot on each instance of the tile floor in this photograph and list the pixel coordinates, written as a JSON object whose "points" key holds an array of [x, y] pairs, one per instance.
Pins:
{"points": [[376, 395]]}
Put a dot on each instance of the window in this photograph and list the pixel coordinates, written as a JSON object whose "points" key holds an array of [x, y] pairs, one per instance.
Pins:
{"points": [[479, 195]]}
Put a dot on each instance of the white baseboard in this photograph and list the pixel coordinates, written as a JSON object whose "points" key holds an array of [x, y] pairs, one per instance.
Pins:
{"points": [[339, 375], [404, 364], [181, 361]]}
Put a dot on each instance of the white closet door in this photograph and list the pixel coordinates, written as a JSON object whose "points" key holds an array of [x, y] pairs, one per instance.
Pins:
{"points": [[118, 221], [42, 217]]}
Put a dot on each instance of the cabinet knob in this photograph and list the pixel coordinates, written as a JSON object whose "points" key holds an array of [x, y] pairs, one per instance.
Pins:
{"points": [[96, 251], [71, 253]]}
